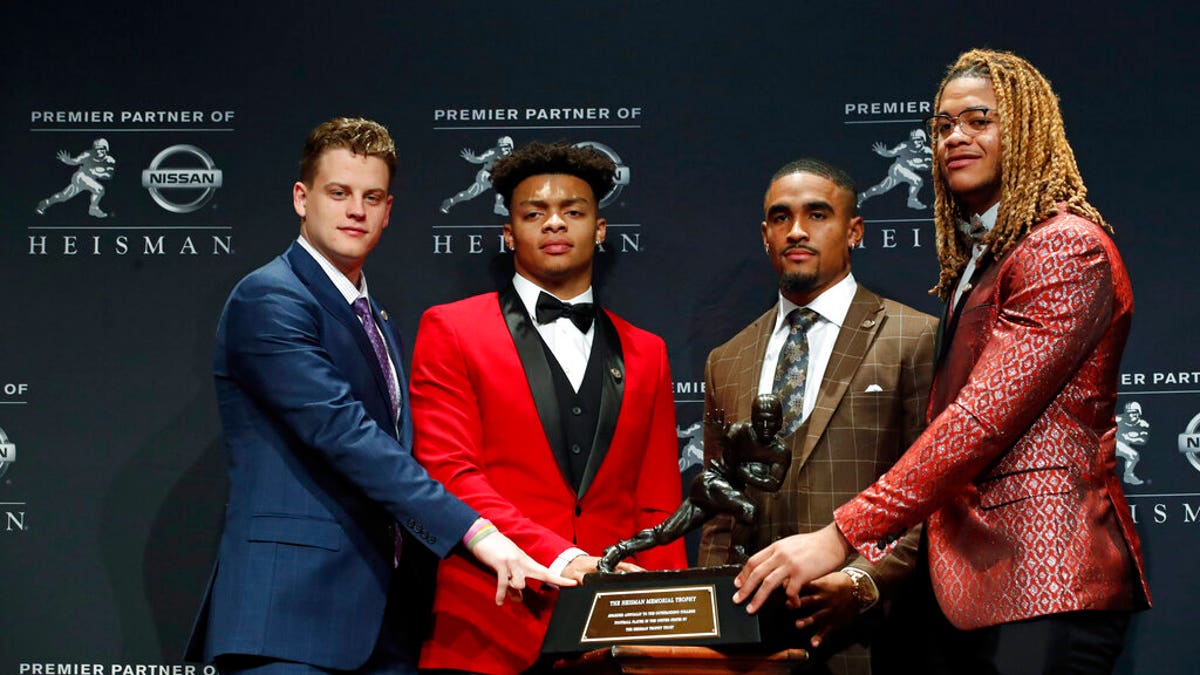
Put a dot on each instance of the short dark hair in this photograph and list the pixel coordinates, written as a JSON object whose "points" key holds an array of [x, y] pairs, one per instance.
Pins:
{"points": [[538, 159], [822, 168], [359, 136]]}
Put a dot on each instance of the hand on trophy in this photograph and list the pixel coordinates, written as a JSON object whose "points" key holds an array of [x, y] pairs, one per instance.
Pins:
{"points": [[513, 566], [827, 605], [587, 564], [790, 563], [715, 419]]}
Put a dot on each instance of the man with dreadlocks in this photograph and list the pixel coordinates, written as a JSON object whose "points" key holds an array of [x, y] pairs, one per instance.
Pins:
{"points": [[1032, 551]]}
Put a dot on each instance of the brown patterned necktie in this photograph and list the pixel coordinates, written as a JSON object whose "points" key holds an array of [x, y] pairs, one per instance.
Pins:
{"points": [[792, 369]]}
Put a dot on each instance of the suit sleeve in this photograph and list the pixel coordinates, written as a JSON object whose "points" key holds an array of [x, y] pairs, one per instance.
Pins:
{"points": [[449, 435], [275, 352], [1056, 296], [717, 532], [916, 376], [658, 488]]}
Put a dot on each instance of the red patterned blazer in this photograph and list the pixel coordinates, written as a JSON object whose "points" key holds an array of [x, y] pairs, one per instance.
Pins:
{"points": [[1015, 472]]}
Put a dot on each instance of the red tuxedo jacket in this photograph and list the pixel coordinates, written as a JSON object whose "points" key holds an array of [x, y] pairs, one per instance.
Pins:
{"points": [[1015, 471], [483, 407]]}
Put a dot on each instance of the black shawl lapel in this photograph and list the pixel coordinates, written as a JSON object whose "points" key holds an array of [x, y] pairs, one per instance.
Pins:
{"points": [[613, 377], [537, 372]]}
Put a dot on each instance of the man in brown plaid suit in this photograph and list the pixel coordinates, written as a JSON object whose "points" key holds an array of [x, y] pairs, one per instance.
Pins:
{"points": [[854, 370]]}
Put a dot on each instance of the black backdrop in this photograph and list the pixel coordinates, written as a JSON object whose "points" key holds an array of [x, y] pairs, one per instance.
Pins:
{"points": [[113, 479]]}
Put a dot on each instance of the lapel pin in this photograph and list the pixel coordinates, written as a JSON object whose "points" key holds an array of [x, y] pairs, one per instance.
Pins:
{"points": [[383, 315], [967, 287], [616, 373], [869, 323]]}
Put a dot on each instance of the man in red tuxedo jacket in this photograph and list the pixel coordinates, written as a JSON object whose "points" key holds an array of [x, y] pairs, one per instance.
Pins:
{"points": [[1032, 551], [553, 419]]}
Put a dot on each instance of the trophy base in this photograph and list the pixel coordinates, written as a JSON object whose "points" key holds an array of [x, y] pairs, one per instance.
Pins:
{"points": [[661, 660]]}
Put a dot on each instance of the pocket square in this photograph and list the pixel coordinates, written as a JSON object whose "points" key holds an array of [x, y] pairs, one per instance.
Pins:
{"points": [[872, 388]]}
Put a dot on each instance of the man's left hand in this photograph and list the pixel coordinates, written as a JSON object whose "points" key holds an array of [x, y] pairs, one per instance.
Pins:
{"points": [[828, 605]]}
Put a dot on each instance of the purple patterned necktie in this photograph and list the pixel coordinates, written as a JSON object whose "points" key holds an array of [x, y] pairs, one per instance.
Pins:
{"points": [[363, 309], [792, 369]]}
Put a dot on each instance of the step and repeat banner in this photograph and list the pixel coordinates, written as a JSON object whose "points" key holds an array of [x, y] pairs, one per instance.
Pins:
{"points": [[149, 153]]}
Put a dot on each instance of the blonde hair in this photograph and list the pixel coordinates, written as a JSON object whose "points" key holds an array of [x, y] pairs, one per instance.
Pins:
{"points": [[1037, 166], [356, 134]]}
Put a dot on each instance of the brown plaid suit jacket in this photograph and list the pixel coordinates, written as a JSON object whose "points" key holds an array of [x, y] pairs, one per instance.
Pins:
{"points": [[871, 406]]}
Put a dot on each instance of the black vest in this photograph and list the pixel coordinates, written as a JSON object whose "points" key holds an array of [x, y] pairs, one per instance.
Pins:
{"points": [[579, 413]]}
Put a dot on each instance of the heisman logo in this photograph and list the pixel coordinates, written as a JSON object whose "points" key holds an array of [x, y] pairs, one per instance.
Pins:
{"points": [[1189, 442], [8, 452], [504, 147], [95, 165], [1132, 430], [692, 453], [911, 158]]}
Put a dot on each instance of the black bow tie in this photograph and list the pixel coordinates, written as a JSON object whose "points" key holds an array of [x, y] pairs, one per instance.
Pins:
{"points": [[550, 308]]}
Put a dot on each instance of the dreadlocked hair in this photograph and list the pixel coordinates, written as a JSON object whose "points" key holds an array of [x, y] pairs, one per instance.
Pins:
{"points": [[1038, 169]]}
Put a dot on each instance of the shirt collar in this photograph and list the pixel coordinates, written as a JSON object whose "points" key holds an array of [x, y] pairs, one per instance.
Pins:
{"points": [[346, 287], [832, 305], [529, 292]]}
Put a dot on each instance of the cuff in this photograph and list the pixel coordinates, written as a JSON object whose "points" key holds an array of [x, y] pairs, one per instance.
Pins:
{"points": [[560, 563]]}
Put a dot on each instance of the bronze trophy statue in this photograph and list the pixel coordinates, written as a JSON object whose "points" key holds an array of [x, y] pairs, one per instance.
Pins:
{"points": [[692, 606], [751, 456]]}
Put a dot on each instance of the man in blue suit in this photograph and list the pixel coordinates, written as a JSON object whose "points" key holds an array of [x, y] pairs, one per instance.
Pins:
{"points": [[327, 507]]}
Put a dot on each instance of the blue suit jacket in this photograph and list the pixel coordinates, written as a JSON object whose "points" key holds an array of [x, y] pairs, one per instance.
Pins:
{"points": [[318, 473]]}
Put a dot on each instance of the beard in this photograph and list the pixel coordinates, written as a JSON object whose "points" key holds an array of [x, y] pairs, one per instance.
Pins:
{"points": [[797, 283]]}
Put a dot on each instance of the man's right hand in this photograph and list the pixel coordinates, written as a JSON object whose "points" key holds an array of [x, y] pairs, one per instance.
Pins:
{"points": [[586, 564], [513, 566]]}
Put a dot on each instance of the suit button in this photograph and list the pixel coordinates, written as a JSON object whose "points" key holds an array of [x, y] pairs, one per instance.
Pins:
{"points": [[575, 449], [578, 510], [576, 410]]}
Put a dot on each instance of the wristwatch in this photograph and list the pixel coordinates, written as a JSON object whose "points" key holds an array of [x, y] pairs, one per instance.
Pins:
{"points": [[864, 590]]}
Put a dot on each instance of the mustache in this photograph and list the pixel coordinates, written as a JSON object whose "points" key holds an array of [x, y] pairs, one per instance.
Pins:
{"points": [[798, 247]]}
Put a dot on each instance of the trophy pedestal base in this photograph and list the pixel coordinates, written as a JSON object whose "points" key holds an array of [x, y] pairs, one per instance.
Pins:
{"points": [[662, 660]]}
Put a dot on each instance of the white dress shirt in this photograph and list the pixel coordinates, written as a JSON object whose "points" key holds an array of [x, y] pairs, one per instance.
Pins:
{"points": [[988, 220]]}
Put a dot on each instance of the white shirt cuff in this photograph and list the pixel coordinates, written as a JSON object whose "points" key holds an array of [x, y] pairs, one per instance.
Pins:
{"points": [[560, 563]]}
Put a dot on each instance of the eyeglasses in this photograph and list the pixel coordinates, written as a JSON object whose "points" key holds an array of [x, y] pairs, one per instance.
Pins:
{"points": [[972, 122]]}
